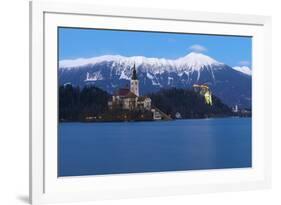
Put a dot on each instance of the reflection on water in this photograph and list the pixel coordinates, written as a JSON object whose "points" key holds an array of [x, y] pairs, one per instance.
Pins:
{"points": [[133, 147]]}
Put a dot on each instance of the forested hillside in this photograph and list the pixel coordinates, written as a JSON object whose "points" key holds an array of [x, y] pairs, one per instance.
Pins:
{"points": [[188, 103]]}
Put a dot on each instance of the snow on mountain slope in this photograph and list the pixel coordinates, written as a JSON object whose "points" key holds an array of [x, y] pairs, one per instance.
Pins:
{"points": [[196, 61], [94, 76], [243, 69], [191, 62]]}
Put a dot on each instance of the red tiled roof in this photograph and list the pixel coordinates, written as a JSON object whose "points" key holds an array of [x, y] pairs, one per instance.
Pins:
{"points": [[131, 95], [122, 92]]}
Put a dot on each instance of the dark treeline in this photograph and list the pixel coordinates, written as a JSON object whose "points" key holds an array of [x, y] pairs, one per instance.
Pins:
{"points": [[75, 103], [188, 103]]}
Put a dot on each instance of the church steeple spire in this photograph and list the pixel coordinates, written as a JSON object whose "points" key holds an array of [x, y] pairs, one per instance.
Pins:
{"points": [[134, 76], [134, 82]]}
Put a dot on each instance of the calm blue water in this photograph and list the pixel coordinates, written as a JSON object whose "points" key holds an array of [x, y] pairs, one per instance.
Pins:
{"points": [[131, 147]]}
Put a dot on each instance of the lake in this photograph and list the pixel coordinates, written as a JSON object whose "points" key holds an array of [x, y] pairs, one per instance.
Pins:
{"points": [[134, 147]]}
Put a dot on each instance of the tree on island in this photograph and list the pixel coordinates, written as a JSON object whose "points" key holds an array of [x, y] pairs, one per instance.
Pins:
{"points": [[75, 104]]}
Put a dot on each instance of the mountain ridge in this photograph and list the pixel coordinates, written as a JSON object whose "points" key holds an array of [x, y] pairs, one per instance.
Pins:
{"points": [[192, 60], [112, 71], [243, 69]]}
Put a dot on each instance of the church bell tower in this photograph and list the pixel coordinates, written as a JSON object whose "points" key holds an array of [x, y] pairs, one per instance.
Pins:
{"points": [[134, 87]]}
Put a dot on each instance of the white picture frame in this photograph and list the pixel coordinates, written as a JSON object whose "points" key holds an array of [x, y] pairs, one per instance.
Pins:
{"points": [[46, 187]]}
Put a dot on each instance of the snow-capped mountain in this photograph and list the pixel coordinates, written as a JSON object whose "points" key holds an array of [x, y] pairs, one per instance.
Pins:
{"points": [[243, 69], [192, 61], [112, 71]]}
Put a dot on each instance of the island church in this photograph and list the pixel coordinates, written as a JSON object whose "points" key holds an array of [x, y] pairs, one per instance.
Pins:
{"points": [[129, 98]]}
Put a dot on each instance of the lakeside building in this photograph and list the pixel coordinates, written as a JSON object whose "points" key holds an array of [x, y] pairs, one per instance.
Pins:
{"points": [[235, 109], [129, 99]]}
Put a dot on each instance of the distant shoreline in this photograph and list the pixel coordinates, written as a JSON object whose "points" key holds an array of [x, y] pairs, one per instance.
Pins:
{"points": [[136, 121]]}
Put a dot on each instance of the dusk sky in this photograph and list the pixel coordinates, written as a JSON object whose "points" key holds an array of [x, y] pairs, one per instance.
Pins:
{"points": [[85, 43]]}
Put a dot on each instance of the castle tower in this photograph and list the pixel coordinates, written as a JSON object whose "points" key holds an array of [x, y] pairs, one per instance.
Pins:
{"points": [[134, 87]]}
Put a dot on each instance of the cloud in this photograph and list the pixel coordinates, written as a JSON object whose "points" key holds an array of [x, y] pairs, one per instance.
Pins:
{"points": [[244, 63], [197, 48]]}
